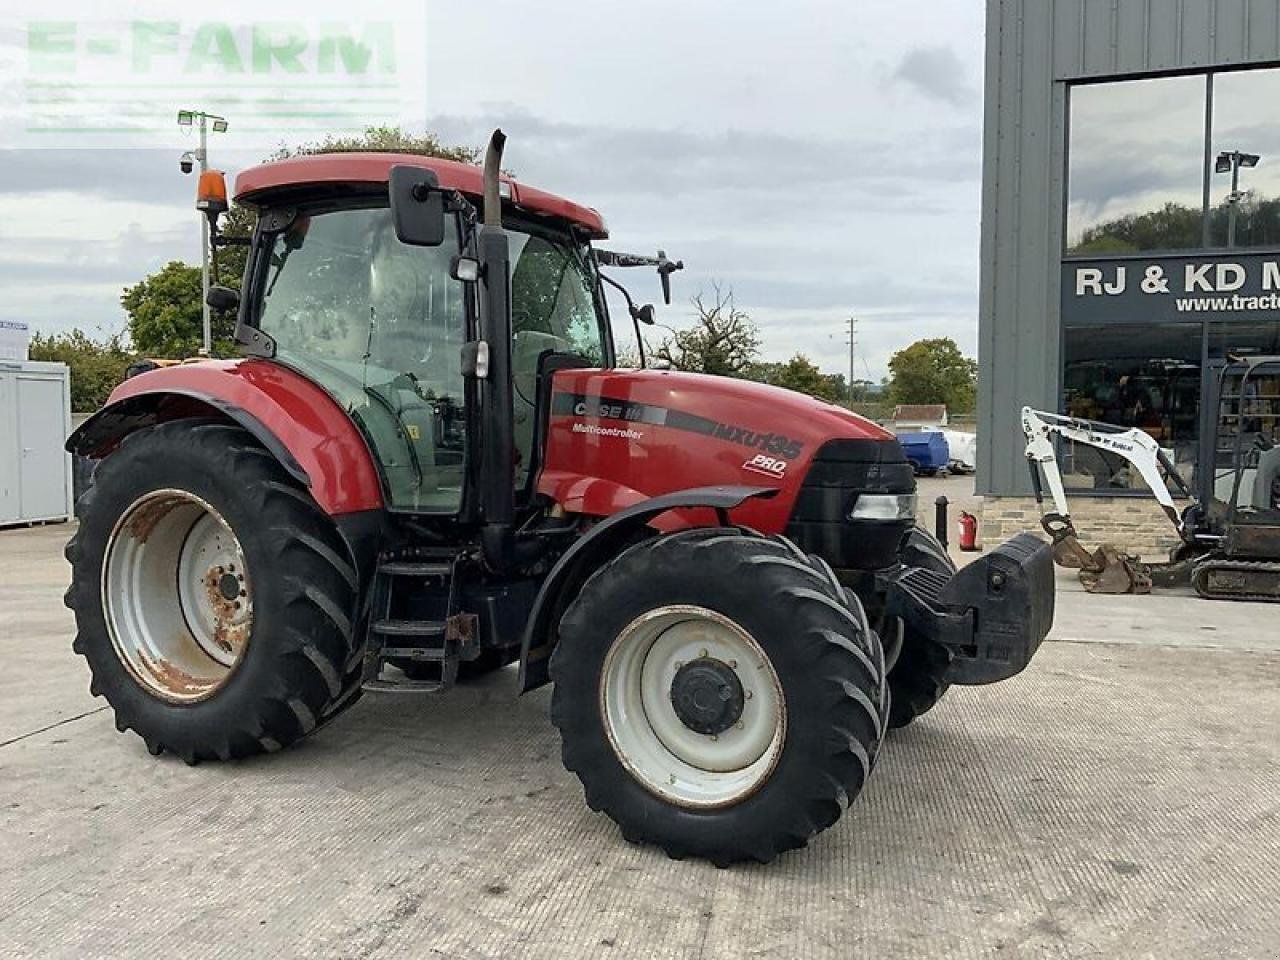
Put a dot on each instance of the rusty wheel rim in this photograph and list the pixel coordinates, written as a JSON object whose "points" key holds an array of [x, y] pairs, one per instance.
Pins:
{"points": [[176, 595]]}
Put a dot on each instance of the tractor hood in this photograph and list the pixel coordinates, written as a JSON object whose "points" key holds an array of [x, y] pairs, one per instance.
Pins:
{"points": [[616, 437]]}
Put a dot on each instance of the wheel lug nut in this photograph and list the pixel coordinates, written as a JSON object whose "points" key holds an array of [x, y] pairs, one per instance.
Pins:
{"points": [[702, 652], [715, 736], [733, 664], [747, 694], [739, 724]]}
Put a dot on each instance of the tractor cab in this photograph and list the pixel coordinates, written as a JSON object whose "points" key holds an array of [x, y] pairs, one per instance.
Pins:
{"points": [[380, 319]]}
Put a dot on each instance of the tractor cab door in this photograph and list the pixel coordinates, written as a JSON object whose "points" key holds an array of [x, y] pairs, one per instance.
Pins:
{"points": [[380, 325], [555, 308]]}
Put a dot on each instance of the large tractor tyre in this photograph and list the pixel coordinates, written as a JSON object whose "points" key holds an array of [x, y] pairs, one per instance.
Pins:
{"points": [[918, 678], [717, 696], [213, 598]]}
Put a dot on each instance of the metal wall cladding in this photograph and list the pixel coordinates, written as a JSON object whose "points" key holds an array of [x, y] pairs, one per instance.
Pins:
{"points": [[1035, 48]]}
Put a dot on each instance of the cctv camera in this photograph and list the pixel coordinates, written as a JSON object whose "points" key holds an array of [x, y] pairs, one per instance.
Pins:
{"points": [[186, 162]]}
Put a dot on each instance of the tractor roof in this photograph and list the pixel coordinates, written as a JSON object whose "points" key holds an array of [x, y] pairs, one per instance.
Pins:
{"points": [[374, 168]]}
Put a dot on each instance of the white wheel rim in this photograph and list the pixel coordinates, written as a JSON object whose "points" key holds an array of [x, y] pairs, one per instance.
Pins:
{"points": [[176, 595], [668, 758]]}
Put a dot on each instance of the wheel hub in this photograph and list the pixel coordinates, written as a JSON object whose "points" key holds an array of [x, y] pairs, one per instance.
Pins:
{"points": [[707, 696], [229, 586]]}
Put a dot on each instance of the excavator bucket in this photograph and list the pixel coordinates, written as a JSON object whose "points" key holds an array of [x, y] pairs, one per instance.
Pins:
{"points": [[1105, 570], [1114, 572]]}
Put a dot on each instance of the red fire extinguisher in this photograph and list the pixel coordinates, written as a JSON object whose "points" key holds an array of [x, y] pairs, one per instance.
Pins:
{"points": [[968, 532]]}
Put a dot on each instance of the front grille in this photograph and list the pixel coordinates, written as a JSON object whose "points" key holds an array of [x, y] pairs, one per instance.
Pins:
{"points": [[840, 471]]}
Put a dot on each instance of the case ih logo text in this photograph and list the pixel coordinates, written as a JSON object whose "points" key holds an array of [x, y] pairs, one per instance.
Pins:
{"points": [[782, 447]]}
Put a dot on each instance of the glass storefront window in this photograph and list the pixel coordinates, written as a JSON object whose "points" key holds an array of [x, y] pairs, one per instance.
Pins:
{"points": [[1132, 375], [1244, 128], [1136, 157]]}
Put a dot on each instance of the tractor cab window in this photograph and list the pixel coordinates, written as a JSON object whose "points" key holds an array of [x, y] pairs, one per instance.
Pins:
{"points": [[379, 325], [553, 307]]}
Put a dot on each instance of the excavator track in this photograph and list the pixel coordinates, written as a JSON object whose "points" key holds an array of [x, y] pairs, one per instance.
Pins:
{"points": [[1237, 580]]}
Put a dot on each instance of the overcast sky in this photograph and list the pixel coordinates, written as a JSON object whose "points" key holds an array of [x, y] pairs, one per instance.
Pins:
{"points": [[821, 159]]}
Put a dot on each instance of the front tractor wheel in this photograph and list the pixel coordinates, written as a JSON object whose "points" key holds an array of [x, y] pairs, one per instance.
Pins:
{"points": [[212, 595], [717, 696]]}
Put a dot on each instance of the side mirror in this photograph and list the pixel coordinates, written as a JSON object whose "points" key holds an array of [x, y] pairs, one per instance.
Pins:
{"points": [[222, 298], [417, 206], [665, 269], [645, 314]]}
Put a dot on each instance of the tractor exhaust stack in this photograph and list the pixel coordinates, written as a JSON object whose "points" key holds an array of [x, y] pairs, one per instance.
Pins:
{"points": [[492, 169]]}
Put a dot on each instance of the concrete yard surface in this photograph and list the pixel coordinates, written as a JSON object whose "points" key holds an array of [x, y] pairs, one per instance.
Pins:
{"points": [[1121, 798]]}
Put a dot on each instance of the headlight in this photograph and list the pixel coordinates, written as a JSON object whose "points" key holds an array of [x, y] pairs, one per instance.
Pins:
{"points": [[884, 506]]}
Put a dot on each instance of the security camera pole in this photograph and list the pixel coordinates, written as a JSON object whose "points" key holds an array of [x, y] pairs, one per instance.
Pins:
{"points": [[186, 119]]}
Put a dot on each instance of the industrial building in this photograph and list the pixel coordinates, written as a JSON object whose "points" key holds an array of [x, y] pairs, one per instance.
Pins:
{"points": [[1130, 236]]}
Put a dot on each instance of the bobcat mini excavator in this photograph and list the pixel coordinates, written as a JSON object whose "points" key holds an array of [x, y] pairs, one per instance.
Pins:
{"points": [[1229, 531]]}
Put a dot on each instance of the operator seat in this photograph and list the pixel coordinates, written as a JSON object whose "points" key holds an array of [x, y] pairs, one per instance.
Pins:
{"points": [[1266, 482]]}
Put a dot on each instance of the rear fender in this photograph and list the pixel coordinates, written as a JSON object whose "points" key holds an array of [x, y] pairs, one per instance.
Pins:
{"points": [[294, 419], [600, 544]]}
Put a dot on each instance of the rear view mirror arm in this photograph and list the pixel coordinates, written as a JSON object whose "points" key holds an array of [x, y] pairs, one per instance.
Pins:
{"points": [[636, 314]]}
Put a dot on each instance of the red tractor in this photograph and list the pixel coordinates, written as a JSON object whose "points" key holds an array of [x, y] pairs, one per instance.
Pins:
{"points": [[427, 466]]}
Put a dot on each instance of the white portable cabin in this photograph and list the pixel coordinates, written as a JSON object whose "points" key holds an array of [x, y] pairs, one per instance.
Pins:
{"points": [[35, 419]]}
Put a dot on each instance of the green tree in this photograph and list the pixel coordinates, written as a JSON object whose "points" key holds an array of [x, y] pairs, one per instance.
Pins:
{"points": [[1176, 226], [165, 311], [934, 371], [1172, 227], [723, 340], [165, 317], [803, 376], [96, 366], [384, 139]]}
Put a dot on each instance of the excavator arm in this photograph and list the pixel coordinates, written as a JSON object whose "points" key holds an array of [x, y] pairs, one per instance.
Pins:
{"points": [[1105, 570]]}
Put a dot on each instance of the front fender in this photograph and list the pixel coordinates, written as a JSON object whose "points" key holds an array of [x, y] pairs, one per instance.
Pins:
{"points": [[313, 438], [601, 543]]}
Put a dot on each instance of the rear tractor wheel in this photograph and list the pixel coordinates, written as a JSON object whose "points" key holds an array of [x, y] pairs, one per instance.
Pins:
{"points": [[212, 595], [716, 695]]}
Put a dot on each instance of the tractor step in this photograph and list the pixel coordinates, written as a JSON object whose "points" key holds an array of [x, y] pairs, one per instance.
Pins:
{"points": [[427, 629], [425, 654], [412, 645], [417, 568], [402, 686]]}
